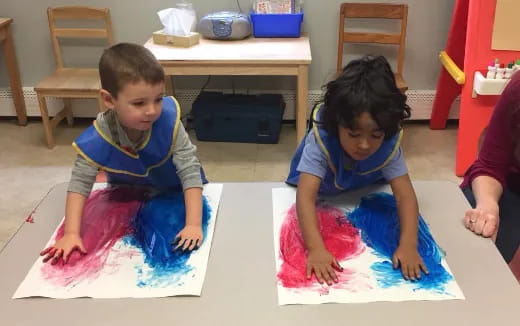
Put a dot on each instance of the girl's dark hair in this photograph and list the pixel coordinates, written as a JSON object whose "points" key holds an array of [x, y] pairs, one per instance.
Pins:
{"points": [[364, 85]]}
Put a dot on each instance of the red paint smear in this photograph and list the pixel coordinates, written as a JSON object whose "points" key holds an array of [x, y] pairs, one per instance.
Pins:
{"points": [[106, 219], [341, 238], [30, 218]]}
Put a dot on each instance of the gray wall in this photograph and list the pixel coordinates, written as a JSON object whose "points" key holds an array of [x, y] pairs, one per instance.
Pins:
{"points": [[134, 21]]}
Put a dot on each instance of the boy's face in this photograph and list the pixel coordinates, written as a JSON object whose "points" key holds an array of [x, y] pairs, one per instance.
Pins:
{"points": [[363, 140], [137, 105]]}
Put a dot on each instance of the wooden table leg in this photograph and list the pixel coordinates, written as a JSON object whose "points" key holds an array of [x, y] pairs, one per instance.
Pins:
{"points": [[14, 78], [301, 101], [67, 105]]}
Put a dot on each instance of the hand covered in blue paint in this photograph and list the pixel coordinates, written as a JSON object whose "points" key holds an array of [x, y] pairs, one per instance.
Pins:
{"points": [[63, 248], [411, 263], [322, 263], [189, 238]]}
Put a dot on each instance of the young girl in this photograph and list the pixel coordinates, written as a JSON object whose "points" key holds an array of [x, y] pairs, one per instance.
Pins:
{"points": [[139, 140], [354, 142]]}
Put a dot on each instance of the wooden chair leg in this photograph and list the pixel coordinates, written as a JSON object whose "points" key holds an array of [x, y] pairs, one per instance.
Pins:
{"points": [[67, 105], [100, 104], [47, 127]]}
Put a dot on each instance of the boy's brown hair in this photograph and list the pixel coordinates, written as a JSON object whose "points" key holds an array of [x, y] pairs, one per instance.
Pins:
{"points": [[126, 63]]}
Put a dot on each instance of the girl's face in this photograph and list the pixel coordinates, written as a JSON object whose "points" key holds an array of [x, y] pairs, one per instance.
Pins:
{"points": [[363, 140]]}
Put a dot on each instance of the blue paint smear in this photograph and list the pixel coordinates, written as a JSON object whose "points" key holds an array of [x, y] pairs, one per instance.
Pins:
{"points": [[377, 218], [153, 229]]}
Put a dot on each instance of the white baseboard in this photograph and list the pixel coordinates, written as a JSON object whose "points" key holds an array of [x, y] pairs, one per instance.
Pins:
{"points": [[420, 101]]}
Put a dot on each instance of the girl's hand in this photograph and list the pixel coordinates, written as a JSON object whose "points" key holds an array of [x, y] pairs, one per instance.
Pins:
{"points": [[322, 263], [410, 261]]}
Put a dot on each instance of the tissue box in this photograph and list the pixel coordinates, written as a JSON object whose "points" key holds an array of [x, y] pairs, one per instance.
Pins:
{"points": [[187, 41]]}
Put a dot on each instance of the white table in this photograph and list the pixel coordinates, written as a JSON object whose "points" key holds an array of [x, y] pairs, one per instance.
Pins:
{"points": [[252, 56], [240, 287]]}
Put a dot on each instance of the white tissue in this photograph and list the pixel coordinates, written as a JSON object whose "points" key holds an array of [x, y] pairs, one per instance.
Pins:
{"points": [[177, 21]]}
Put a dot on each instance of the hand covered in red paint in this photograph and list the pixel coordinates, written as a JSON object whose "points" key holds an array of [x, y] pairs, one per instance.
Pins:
{"points": [[63, 248], [410, 261], [189, 238], [483, 220], [322, 263]]}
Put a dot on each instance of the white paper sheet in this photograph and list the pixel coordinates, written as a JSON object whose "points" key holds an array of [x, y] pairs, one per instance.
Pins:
{"points": [[358, 284], [125, 266]]}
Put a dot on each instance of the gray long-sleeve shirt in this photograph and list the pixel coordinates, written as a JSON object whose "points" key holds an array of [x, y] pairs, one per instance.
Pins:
{"points": [[184, 156]]}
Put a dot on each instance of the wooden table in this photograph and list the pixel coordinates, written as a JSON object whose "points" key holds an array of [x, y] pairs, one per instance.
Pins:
{"points": [[252, 56], [12, 69], [240, 285]]}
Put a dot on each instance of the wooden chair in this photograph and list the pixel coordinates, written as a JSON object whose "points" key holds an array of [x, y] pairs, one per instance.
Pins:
{"points": [[68, 82], [374, 10]]}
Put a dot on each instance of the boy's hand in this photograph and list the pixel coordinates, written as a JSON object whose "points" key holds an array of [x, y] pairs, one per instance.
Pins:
{"points": [[189, 238], [411, 262], [323, 264], [63, 248]]}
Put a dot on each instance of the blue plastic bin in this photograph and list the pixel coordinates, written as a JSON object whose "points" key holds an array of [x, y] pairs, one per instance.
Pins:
{"points": [[277, 25]]}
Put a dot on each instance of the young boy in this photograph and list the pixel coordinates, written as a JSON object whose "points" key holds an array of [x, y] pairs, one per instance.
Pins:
{"points": [[139, 140]]}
